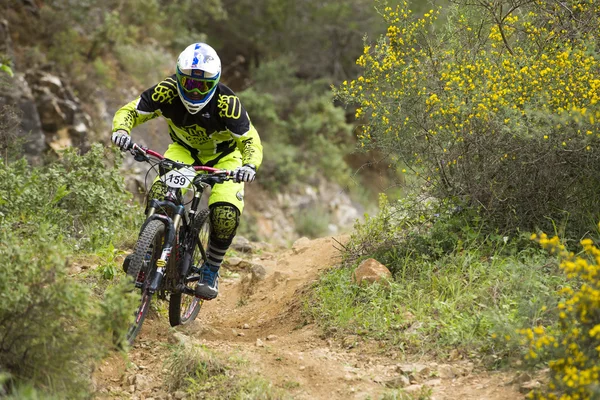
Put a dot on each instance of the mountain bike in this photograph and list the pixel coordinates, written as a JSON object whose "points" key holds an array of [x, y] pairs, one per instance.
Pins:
{"points": [[173, 239]]}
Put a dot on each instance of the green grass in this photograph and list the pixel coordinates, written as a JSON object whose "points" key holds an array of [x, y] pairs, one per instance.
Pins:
{"points": [[206, 374], [468, 300]]}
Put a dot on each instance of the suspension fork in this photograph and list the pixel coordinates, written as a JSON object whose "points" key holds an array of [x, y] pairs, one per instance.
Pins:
{"points": [[171, 226]]}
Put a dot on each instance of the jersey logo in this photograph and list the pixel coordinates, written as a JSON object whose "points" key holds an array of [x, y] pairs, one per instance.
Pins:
{"points": [[230, 106], [163, 93], [195, 135]]}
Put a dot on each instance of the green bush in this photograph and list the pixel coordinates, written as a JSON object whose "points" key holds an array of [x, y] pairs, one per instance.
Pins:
{"points": [[312, 222], [303, 132], [78, 198], [499, 107], [53, 329]]}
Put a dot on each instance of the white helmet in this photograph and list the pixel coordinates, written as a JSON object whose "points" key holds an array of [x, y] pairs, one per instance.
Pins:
{"points": [[198, 73]]}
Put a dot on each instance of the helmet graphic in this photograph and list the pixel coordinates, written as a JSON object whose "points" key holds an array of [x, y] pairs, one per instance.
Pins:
{"points": [[198, 72]]}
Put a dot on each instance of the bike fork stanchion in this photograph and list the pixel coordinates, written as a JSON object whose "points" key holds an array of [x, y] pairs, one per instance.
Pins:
{"points": [[161, 263]]}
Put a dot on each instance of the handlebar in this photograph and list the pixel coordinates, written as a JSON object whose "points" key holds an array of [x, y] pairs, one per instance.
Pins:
{"points": [[141, 153]]}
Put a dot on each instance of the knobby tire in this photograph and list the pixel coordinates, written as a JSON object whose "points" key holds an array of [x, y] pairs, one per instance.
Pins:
{"points": [[142, 267], [184, 308]]}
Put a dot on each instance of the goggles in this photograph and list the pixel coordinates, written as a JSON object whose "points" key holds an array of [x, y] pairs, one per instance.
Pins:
{"points": [[196, 88]]}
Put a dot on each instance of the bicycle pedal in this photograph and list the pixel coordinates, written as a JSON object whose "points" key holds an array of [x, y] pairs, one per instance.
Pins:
{"points": [[195, 270]]}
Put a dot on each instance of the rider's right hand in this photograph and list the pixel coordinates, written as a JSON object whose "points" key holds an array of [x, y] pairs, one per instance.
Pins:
{"points": [[122, 139]]}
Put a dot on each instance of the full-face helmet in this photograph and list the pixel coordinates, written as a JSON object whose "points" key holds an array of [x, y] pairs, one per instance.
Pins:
{"points": [[198, 72]]}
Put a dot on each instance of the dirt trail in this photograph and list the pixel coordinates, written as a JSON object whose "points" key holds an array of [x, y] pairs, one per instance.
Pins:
{"points": [[258, 316]]}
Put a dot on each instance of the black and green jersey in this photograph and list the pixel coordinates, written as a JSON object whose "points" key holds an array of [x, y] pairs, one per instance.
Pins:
{"points": [[221, 127]]}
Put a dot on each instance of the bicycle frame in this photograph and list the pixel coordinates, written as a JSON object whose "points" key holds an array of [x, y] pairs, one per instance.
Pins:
{"points": [[172, 225]]}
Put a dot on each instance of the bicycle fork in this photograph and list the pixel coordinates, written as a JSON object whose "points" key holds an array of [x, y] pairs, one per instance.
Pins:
{"points": [[171, 226]]}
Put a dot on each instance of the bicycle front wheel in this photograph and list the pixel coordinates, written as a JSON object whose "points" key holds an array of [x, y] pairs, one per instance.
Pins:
{"points": [[184, 308], [142, 267]]}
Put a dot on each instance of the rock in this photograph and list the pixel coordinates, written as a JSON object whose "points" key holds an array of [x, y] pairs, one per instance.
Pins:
{"points": [[398, 382], [233, 261], [413, 388], [447, 372], [420, 370], [245, 326], [142, 382], [259, 343], [29, 127], [521, 379], [529, 386], [279, 277], [259, 272], [349, 341], [74, 270], [180, 394], [433, 382], [272, 337], [5, 39], [181, 338], [371, 271], [242, 244], [454, 355], [300, 245]]}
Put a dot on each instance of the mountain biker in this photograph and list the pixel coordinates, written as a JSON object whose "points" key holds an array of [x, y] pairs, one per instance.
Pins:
{"points": [[208, 126]]}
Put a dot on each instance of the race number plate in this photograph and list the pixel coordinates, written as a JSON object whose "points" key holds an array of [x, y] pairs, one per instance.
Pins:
{"points": [[179, 178]]}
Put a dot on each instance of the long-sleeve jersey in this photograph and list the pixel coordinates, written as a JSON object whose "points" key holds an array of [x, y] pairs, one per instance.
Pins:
{"points": [[221, 127]]}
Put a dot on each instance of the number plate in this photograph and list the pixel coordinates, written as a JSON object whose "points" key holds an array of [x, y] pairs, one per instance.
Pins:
{"points": [[179, 178]]}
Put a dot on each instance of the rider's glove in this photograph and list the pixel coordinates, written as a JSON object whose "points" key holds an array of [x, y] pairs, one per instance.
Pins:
{"points": [[122, 139], [246, 173]]}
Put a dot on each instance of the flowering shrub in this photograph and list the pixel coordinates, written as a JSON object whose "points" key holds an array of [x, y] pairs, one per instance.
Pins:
{"points": [[498, 107], [574, 347]]}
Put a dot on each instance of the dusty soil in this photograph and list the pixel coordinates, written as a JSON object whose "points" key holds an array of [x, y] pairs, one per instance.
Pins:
{"points": [[258, 316]]}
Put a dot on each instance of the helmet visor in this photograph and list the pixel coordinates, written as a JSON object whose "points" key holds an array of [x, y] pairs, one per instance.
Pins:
{"points": [[196, 88]]}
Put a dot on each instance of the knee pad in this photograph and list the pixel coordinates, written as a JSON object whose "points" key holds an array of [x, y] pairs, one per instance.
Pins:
{"points": [[224, 220]]}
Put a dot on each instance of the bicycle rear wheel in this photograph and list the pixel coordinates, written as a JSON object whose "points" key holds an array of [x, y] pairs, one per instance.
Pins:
{"points": [[142, 267], [184, 308]]}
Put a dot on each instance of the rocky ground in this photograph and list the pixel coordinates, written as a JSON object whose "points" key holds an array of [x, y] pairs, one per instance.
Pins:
{"points": [[258, 317]]}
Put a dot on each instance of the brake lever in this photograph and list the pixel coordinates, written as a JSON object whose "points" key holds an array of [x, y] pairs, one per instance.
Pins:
{"points": [[139, 153]]}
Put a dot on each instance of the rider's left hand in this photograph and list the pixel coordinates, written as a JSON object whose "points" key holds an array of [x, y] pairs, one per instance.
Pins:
{"points": [[245, 173]]}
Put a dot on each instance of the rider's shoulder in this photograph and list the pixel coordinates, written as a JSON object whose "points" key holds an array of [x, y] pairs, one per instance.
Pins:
{"points": [[228, 103], [164, 91]]}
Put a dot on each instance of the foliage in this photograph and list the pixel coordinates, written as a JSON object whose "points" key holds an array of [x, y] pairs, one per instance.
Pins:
{"points": [[147, 64], [324, 35], [454, 286], [53, 329], [72, 198], [312, 222], [9, 126], [6, 69], [304, 132], [574, 346], [499, 107], [205, 374]]}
